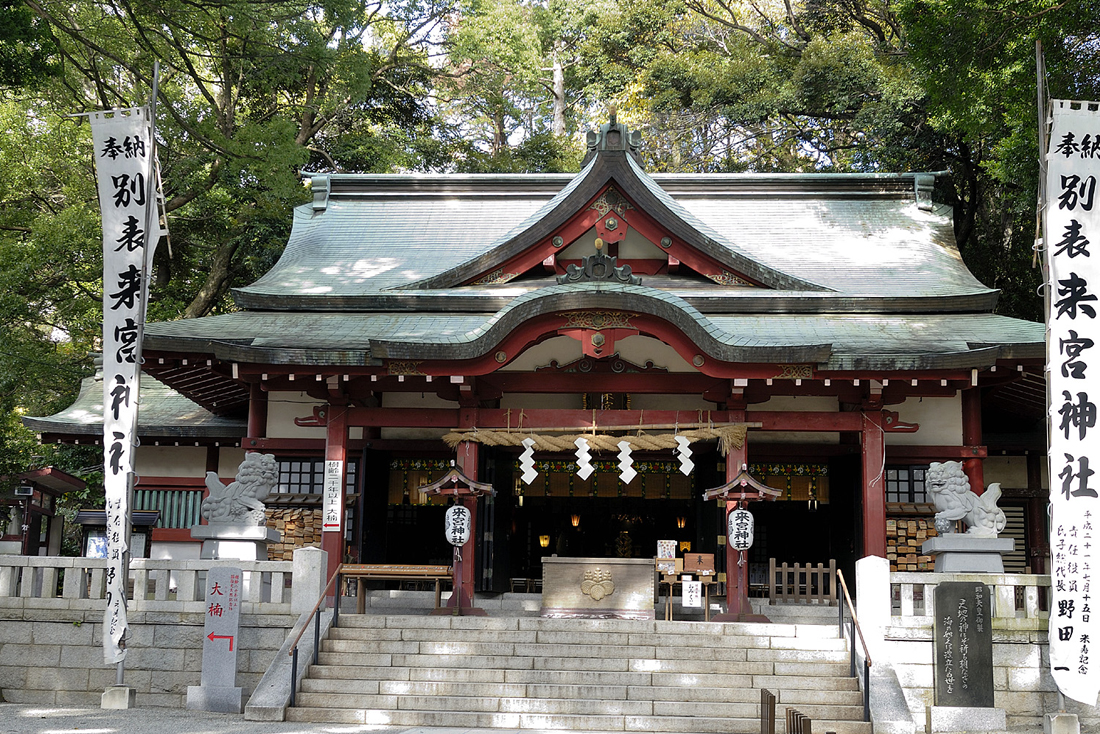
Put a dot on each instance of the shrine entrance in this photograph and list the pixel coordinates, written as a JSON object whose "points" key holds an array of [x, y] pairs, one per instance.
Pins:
{"points": [[815, 517]]}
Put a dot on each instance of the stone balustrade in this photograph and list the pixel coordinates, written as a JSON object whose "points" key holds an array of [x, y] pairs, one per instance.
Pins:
{"points": [[155, 584], [1018, 599]]}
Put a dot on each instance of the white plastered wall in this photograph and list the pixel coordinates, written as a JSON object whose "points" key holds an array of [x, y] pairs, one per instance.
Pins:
{"points": [[634, 349], [633, 247], [170, 461], [283, 408], [940, 421]]}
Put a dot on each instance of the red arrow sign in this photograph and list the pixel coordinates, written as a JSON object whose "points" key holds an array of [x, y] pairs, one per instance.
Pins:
{"points": [[213, 637]]}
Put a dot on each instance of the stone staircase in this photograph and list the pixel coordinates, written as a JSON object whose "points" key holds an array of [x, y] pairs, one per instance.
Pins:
{"points": [[578, 675]]}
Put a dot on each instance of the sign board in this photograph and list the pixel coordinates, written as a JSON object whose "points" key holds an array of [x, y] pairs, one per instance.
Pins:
{"points": [[220, 632], [693, 594], [333, 488], [699, 563], [963, 670], [666, 548], [1071, 237]]}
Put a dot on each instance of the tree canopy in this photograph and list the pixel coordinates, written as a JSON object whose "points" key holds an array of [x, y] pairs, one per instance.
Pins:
{"points": [[253, 92]]}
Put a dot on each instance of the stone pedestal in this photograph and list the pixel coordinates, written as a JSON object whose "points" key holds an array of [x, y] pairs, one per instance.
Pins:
{"points": [[1061, 724], [234, 542], [962, 553], [222, 700], [965, 719], [118, 697]]}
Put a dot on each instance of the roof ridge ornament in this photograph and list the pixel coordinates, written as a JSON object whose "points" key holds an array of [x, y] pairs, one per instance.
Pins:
{"points": [[599, 267], [613, 136]]}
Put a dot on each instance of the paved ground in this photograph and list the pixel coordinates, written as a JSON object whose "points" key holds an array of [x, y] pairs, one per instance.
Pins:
{"points": [[28, 719]]}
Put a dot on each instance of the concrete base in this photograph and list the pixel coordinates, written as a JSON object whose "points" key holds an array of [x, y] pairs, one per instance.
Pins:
{"points": [[951, 719], [1061, 724], [962, 553], [118, 697], [214, 698]]}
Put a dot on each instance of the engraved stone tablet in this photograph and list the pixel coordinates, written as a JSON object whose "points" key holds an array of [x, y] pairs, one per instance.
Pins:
{"points": [[963, 645]]}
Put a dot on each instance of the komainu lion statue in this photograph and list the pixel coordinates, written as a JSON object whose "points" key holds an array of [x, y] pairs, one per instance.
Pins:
{"points": [[954, 501], [241, 502]]}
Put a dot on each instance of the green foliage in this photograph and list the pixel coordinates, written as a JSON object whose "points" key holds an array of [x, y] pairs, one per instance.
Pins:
{"points": [[27, 48]]}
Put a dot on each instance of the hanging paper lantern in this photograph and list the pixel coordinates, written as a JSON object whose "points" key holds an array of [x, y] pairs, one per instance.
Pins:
{"points": [[740, 530], [456, 525]]}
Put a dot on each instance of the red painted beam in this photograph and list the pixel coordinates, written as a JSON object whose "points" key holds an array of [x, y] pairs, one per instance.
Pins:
{"points": [[572, 382], [810, 421], [936, 453]]}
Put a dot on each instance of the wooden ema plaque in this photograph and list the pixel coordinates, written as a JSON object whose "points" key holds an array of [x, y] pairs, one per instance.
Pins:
{"points": [[699, 564]]}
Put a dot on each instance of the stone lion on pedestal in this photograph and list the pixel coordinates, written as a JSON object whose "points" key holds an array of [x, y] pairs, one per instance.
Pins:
{"points": [[954, 501], [241, 502]]}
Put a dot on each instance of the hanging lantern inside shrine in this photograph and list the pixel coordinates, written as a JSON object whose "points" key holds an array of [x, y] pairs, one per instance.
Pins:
{"points": [[456, 525], [740, 530]]}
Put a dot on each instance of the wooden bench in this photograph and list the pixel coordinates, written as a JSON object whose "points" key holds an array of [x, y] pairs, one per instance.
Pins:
{"points": [[364, 572]]}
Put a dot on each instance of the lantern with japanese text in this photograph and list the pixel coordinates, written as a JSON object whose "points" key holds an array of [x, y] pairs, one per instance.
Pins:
{"points": [[456, 525], [740, 530]]}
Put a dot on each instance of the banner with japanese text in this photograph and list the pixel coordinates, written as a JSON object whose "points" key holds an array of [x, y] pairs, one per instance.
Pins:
{"points": [[1072, 236], [125, 173]]}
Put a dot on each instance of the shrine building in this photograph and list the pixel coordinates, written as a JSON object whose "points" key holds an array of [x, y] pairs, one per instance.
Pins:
{"points": [[819, 330]]}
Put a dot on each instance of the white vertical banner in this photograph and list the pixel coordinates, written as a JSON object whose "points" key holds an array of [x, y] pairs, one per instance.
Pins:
{"points": [[1071, 238], [123, 149], [332, 521]]}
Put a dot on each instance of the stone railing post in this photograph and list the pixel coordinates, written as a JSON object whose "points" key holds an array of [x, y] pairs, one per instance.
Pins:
{"points": [[308, 580], [873, 602]]}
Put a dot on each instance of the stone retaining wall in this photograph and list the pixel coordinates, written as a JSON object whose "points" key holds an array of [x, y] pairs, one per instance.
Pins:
{"points": [[60, 661], [1022, 684]]}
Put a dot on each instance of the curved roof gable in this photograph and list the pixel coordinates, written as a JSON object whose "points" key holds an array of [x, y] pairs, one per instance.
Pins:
{"points": [[611, 165]]}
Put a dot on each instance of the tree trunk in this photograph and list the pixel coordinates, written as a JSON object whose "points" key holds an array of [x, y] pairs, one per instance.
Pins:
{"points": [[558, 124], [217, 281]]}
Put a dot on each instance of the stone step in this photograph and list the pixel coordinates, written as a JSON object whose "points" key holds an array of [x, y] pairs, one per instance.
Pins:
{"points": [[463, 647], [577, 675], [508, 720], [390, 641], [742, 693]]}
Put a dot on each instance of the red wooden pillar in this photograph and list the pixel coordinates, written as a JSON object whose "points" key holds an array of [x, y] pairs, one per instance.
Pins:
{"points": [[737, 577], [874, 489], [257, 412], [1038, 537], [467, 460], [336, 449], [972, 436]]}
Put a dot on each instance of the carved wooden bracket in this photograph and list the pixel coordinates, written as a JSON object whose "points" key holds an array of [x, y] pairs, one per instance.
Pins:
{"points": [[319, 419], [891, 424]]}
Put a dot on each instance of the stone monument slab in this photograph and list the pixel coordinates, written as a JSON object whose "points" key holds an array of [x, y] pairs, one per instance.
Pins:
{"points": [[218, 690], [963, 646]]}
